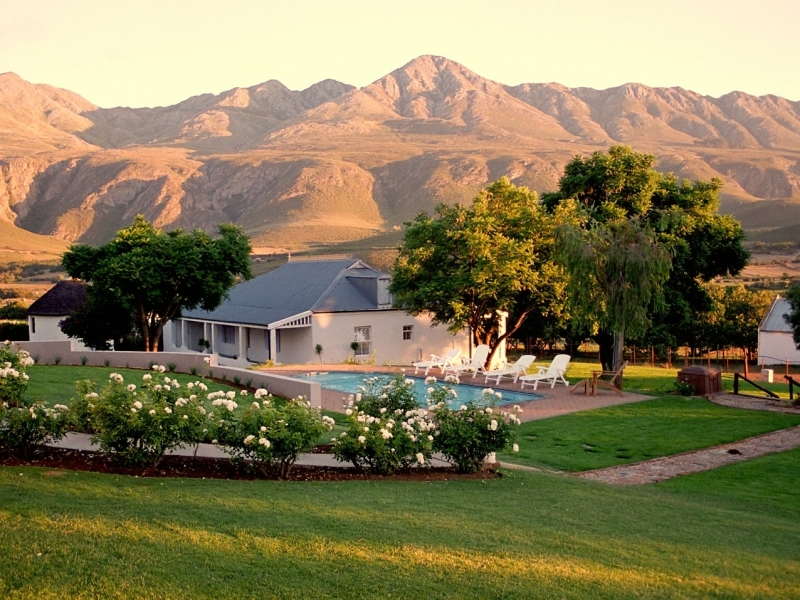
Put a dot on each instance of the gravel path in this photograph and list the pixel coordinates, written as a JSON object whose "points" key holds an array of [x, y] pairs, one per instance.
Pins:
{"points": [[666, 467]]}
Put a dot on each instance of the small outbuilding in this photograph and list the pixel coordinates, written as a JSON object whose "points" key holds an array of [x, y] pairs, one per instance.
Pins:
{"points": [[775, 342], [287, 314], [54, 306]]}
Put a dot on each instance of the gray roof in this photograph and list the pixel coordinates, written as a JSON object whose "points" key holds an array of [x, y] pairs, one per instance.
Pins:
{"points": [[294, 288], [774, 320]]}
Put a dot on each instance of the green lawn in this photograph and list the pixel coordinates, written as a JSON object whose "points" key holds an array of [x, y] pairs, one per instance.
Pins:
{"points": [[633, 432], [728, 533], [56, 384], [84, 535]]}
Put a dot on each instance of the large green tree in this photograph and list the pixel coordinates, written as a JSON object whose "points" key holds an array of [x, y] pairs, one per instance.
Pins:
{"points": [[154, 274], [622, 184], [468, 264]]}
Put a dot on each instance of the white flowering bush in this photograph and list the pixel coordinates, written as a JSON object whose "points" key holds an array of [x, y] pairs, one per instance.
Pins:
{"points": [[13, 378], [25, 429], [138, 423], [270, 432], [467, 435], [24, 426], [387, 429]]}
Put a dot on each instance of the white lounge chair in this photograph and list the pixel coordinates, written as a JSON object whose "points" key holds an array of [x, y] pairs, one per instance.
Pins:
{"points": [[439, 362], [552, 373], [520, 367], [475, 365]]}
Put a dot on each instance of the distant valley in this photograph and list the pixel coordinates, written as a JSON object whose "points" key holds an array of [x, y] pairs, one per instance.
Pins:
{"points": [[334, 164]]}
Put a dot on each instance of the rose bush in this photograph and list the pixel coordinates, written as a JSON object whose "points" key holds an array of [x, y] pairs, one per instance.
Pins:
{"points": [[139, 423], [24, 425], [467, 435], [387, 429], [270, 432]]}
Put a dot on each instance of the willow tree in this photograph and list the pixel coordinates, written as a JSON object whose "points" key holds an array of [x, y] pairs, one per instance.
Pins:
{"points": [[467, 265], [615, 271]]}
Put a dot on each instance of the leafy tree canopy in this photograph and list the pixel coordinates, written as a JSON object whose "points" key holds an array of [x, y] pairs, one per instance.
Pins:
{"points": [[154, 274], [622, 184], [467, 264]]}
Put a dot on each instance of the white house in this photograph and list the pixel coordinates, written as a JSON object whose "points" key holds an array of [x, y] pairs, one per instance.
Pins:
{"points": [[775, 342], [285, 314], [54, 306]]}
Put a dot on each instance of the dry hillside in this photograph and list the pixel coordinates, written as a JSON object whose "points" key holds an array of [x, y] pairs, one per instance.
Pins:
{"points": [[333, 163]]}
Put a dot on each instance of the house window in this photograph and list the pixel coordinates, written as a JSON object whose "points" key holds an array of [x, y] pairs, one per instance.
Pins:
{"points": [[228, 334], [408, 332], [33, 324], [277, 341], [363, 335]]}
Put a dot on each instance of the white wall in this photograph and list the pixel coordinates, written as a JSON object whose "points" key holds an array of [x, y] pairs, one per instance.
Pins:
{"points": [[335, 331], [47, 330], [776, 347]]}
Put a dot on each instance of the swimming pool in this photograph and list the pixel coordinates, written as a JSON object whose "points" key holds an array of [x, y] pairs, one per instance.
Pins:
{"points": [[348, 382]]}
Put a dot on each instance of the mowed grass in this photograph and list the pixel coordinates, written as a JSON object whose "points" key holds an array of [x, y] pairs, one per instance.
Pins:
{"points": [[55, 384], [628, 433], [87, 536]]}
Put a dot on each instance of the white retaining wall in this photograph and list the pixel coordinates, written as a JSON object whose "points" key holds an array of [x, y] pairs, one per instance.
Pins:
{"points": [[280, 385]]}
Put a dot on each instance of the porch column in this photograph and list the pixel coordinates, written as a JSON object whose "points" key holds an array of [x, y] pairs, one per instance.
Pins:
{"points": [[273, 343], [242, 343]]}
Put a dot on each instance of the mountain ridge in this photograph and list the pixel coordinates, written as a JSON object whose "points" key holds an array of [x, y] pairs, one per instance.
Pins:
{"points": [[332, 162]]}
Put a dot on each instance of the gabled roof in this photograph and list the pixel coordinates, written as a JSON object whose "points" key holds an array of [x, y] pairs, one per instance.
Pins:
{"points": [[60, 300], [295, 288], [773, 320]]}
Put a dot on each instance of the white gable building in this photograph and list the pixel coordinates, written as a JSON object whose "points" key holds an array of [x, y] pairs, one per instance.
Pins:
{"points": [[283, 315], [775, 342]]}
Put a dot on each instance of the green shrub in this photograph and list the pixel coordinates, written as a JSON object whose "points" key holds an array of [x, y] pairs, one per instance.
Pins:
{"points": [[13, 378], [387, 429], [193, 370], [57, 359], [107, 363], [172, 366], [467, 435], [14, 311], [270, 432], [24, 426], [139, 424], [24, 429], [84, 360], [684, 388]]}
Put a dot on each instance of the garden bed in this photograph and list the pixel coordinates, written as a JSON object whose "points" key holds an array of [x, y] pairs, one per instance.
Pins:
{"points": [[61, 461]]}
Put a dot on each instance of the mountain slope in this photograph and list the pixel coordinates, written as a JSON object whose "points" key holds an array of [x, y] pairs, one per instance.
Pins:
{"points": [[333, 163]]}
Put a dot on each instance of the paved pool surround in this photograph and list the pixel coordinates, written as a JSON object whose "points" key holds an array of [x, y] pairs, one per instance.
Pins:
{"points": [[554, 402]]}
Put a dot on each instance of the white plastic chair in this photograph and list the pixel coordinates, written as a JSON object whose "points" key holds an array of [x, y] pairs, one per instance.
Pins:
{"points": [[553, 373], [476, 365], [440, 362], [520, 367]]}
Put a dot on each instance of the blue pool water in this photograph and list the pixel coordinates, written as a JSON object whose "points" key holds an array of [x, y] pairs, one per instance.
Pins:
{"points": [[348, 382]]}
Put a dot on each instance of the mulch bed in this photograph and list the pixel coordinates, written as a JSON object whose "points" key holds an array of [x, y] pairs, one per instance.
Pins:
{"points": [[60, 461]]}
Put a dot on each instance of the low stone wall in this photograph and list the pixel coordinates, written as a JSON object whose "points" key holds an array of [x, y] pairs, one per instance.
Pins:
{"points": [[63, 352]]}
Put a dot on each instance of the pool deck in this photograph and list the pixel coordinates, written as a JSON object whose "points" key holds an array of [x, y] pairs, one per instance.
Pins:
{"points": [[556, 401]]}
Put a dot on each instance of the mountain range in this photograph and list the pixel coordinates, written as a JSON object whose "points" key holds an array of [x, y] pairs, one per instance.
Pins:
{"points": [[334, 163]]}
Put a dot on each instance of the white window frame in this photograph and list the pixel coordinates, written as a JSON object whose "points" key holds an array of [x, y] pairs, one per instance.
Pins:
{"points": [[363, 336]]}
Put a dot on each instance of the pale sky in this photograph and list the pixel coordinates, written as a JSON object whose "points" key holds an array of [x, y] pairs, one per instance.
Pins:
{"points": [[159, 52]]}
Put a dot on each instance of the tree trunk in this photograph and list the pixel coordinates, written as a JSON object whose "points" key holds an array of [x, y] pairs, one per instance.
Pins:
{"points": [[619, 357], [605, 340]]}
